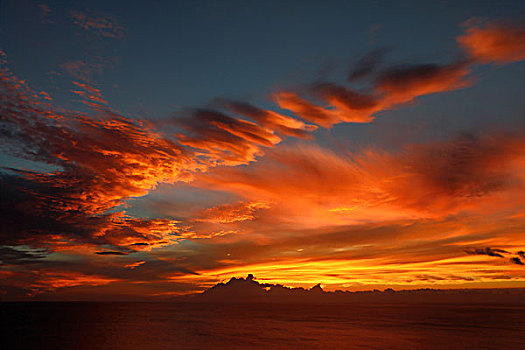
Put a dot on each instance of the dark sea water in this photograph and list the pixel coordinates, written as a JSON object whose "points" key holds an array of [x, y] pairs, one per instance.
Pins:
{"points": [[147, 326]]}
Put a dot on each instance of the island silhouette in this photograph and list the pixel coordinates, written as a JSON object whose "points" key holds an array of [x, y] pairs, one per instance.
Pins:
{"points": [[249, 290]]}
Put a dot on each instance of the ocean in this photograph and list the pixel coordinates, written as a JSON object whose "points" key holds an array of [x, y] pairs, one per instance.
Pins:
{"points": [[145, 326]]}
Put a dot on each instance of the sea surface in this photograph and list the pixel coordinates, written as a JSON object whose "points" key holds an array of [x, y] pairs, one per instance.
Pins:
{"points": [[115, 326]]}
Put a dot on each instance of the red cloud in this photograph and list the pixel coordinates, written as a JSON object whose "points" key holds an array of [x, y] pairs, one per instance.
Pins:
{"points": [[403, 84], [270, 119], [319, 187], [100, 163], [53, 280], [494, 42], [134, 264], [92, 96], [230, 213], [236, 133], [393, 86]]}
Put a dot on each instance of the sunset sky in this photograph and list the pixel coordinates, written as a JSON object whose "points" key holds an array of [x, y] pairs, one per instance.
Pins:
{"points": [[154, 148]]}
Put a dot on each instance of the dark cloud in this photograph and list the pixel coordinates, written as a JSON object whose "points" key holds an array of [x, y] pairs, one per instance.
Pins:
{"points": [[351, 99], [98, 163], [125, 158], [487, 251], [281, 123], [392, 86], [32, 208], [203, 119], [466, 165], [20, 255], [404, 83], [367, 64], [305, 109], [224, 140], [516, 261], [111, 253], [40, 212]]}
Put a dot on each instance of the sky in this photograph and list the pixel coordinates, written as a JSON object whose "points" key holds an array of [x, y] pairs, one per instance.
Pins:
{"points": [[154, 149]]}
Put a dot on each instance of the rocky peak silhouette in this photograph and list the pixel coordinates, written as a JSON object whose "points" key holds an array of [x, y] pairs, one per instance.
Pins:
{"points": [[248, 289], [240, 290]]}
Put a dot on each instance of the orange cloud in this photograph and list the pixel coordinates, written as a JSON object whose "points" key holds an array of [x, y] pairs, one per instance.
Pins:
{"points": [[373, 219], [64, 279], [134, 264], [343, 105], [100, 163], [407, 254], [270, 119], [497, 42], [403, 84], [392, 87], [306, 110], [224, 140], [229, 213], [90, 94], [318, 187]]}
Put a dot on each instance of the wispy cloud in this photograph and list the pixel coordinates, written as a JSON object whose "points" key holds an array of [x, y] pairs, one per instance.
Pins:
{"points": [[487, 251], [439, 179], [229, 213]]}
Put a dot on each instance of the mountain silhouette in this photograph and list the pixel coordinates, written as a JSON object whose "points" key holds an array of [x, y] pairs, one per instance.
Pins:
{"points": [[248, 290]]}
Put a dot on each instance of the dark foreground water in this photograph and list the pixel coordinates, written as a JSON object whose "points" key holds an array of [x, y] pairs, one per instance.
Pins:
{"points": [[268, 326]]}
